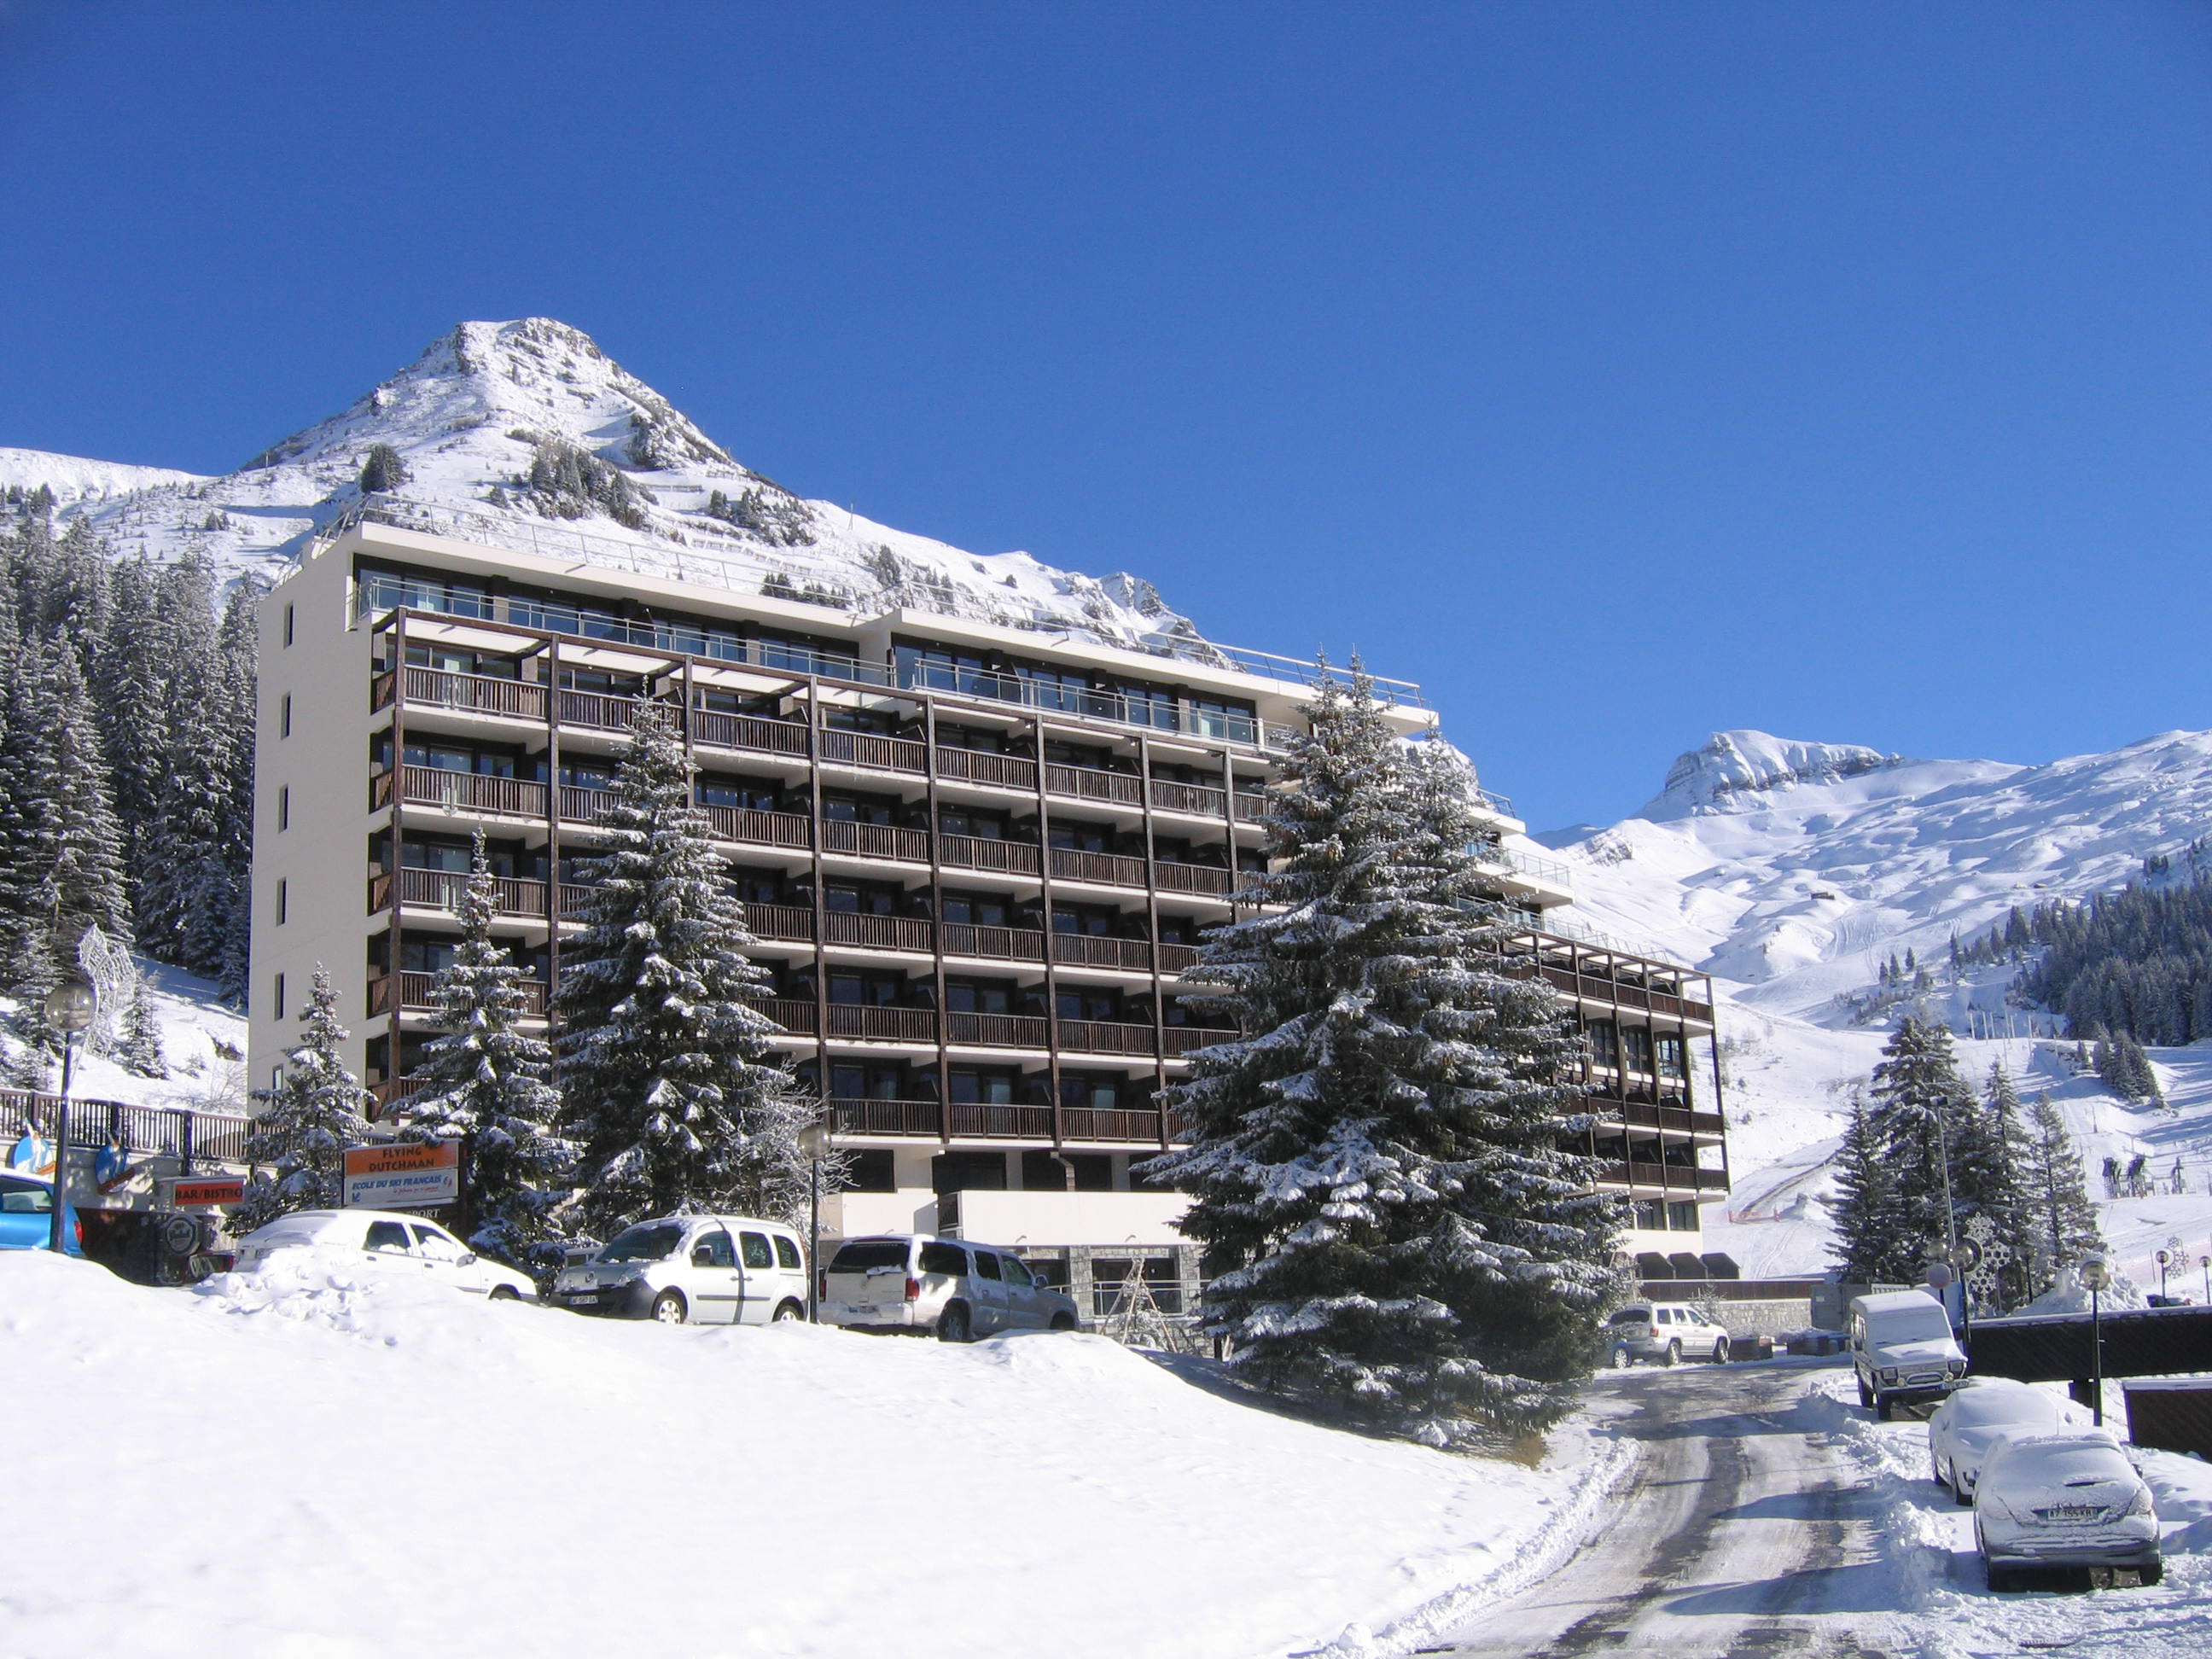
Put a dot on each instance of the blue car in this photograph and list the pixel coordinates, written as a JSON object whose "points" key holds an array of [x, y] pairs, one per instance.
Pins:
{"points": [[27, 1215]]}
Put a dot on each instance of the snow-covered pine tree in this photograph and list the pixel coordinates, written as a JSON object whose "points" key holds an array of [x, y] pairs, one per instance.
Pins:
{"points": [[667, 1080], [1380, 1167], [1922, 1107], [2056, 1191], [382, 470], [139, 1049], [61, 863], [1865, 1209], [131, 689], [307, 1122], [237, 642], [1991, 1166], [187, 896], [486, 1085]]}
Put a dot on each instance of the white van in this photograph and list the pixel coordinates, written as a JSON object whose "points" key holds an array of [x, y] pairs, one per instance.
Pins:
{"points": [[952, 1287], [1902, 1348], [702, 1269]]}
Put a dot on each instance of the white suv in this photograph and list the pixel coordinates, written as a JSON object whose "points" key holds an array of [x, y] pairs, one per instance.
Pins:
{"points": [[958, 1289], [388, 1240], [1668, 1332], [704, 1269]]}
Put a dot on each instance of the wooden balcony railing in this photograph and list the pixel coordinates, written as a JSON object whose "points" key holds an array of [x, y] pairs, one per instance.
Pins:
{"points": [[1109, 1123], [978, 766], [1091, 1036], [393, 1090], [1644, 1116], [1002, 944], [1174, 958], [755, 827], [875, 840], [996, 1030], [887, 1117], [1104, 869], [980, 853], [752, 732], [418, 994], [882, 932], [1190, 877], [867, 1023], [441, 889], [1249, 807], [1099, 951], [1090, 783], [880, 753], [1670, 1178], [602, 713], [1191, 797], [459, 792], [1181, 1039], [1028, 1122], [795, 1015], [789, 922]]}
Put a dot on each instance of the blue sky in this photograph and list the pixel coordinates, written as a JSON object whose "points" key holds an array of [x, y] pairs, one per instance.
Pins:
{"points": [[1621, 373]]}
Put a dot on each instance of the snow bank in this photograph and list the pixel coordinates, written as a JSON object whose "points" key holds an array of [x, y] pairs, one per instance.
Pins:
{"points": [[338, 1462]]}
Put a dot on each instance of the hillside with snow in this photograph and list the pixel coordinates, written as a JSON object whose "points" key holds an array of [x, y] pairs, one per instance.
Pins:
{"points": [[470, 417], [1792, 871]]}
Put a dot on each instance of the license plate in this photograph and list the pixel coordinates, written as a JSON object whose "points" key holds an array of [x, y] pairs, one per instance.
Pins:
{"points": [[583, 1296], [2072, 1512]]}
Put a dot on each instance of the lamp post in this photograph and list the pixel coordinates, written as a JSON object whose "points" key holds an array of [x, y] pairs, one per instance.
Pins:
{"points": [[69, 1008], [2163, 1258], [814, 1143], [2094, 1276], [2205, 1262]]}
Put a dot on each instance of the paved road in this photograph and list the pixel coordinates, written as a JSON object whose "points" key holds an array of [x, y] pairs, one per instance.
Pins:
{"points": [[1740, 1533]]}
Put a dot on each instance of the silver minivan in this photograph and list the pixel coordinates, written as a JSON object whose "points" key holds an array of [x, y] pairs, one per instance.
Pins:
{"points": [[702, 1269], [952, 1287]]}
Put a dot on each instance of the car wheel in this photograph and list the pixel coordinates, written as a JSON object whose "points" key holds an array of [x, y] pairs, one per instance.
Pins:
{"points": [[2151, 1572], [952, 1325], [1720, 1352], [1063, 1322], [1674, 1354], [2001, 1578], [790, 1313], [668, 1308], [1622, 1358], [1866, 1396], [1960, 1495], [503, 1293]]}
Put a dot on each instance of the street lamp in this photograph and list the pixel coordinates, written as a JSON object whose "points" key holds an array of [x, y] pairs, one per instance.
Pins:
{"points": [[2205, 1262], [2163, 1258], [69, 1008], [2094, 1276], [814, 1146]]}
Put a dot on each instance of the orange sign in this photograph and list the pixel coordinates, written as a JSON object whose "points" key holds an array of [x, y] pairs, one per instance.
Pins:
{"points": [[193, 1193], [403, 1175]]}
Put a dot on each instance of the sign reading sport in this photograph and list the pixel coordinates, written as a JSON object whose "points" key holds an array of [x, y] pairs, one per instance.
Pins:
{"points": [[408, 1175]]}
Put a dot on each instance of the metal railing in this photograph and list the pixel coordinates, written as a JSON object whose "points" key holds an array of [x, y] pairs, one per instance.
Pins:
{"points": [[184, 1133]]}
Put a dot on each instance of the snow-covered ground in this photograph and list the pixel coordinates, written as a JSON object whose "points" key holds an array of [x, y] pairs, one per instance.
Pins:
{"points": [[328, 1463], [202, 1040], [1939, 1585]]}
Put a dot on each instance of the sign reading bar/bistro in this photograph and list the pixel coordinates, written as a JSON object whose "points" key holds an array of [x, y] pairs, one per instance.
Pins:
{"points": [[194, 1193], [411, 1174]]}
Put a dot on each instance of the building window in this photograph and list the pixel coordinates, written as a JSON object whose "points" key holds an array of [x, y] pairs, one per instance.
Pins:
{"points": [[1682, 1217], [288, 625], [279, 998], [1650, 1216], [283, 900], [284, 724], [1671, 1058], [284, 807]]}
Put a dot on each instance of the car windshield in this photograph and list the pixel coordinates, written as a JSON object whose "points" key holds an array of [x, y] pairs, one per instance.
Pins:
{"points": [[2041, 1468], [2003, 1405], [870, 1253], [1910, 1325], [650, 1241]]}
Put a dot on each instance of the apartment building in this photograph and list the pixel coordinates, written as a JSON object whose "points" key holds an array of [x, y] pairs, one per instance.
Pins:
{"points": [[977, 858]]}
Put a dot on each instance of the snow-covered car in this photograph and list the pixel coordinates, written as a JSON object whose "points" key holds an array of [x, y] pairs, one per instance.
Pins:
{"points": [[1903, 1349], [2063, 1500], [1668, 1332], [703, 1269], [1980, 1413], [27, 1215], [951, 1287], [387, 1241]]}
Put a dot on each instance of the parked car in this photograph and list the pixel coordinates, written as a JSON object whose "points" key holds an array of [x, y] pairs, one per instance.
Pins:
{"points": [[699, 1269], [384, 1239], [2063, 1500], [1903, 1349], [1668, 1332], [954, 1288], [1979, 1412], [27, 1215]]}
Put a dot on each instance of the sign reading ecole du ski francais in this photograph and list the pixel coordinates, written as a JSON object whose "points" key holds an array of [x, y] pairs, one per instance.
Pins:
{"points": [[410, 1174]]}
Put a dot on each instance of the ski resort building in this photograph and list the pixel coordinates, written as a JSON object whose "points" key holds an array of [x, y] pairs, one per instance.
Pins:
{"points": [[976, 857]]}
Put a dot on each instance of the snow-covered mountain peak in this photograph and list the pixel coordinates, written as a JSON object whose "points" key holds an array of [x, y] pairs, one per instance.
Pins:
{"points": [[530, 421], [1731, 770]]}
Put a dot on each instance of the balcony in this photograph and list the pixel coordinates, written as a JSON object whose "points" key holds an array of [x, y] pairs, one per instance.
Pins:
{"points": [[871, 1023], [458, 791], [1133, 1126], [441, 889], [418, 995], [1671, 1177]]}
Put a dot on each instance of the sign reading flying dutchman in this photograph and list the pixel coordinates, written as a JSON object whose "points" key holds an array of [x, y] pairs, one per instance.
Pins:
{"points": [[408, 1174]]}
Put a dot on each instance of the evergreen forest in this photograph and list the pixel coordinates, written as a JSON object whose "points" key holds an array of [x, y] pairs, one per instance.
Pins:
{"points": [[2135, 963]]}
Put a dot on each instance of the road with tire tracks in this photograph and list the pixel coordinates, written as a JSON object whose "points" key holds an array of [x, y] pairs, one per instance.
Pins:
{"points": [[1743, 1530]]}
